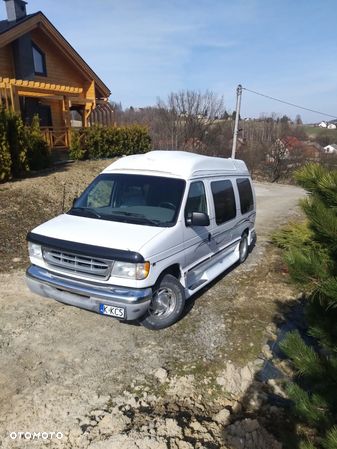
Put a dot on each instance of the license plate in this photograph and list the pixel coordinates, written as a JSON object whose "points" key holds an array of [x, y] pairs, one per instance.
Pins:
{"points": [[117, 312]]}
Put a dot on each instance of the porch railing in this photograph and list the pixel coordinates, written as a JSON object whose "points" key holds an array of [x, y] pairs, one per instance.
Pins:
{"points": [[56, 137]]}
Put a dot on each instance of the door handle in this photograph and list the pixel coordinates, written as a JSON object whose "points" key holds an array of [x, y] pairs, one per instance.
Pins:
{"points": [[209, 236]]}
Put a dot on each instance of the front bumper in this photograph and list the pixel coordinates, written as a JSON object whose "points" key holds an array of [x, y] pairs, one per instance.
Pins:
{"points": [[86, 295]]}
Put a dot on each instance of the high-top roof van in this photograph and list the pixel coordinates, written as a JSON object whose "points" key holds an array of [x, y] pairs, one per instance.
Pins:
{"points": [[148, 233]]}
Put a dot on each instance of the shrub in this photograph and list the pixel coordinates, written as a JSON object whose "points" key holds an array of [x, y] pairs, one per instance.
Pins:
{"points": [[13, 155], [311, 255], [95, 142], [105, 142], [294, 234], [21, 148], [5, 155], [17, 142], [38, 151], [76, 151]]}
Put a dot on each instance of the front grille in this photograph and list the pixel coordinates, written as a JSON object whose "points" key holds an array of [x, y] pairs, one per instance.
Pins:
{"points": [[78, 263]]}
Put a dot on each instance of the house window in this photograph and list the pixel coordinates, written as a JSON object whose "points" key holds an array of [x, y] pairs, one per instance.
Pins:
{"points": [[39, 61]]}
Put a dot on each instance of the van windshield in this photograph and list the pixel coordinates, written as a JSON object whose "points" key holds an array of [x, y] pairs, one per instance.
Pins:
{"points": [[136, 199]]}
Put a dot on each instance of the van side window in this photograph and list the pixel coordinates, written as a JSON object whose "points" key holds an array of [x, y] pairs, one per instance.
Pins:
{"points": [[196, 200], [224, 201], [246, 195]]}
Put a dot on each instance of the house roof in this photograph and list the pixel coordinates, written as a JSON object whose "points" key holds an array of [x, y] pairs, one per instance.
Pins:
{"points": [[333, 145], [5, 25], [12, 31], [292, 142]]}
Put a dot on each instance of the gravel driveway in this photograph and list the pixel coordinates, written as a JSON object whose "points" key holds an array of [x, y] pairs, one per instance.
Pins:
{"points": [[58, 363]]}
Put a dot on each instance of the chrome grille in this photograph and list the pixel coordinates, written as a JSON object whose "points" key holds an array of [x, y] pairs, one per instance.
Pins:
{"points": [[78, 263]]}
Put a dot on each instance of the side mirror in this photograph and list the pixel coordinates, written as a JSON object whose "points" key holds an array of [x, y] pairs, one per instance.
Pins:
{"points": [[197, 219]]}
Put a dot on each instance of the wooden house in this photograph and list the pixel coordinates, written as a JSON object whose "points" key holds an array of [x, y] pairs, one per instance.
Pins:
{"points": [[41, 73]]}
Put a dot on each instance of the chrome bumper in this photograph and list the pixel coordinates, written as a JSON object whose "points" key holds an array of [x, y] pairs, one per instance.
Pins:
{"points": [[88, 296]]}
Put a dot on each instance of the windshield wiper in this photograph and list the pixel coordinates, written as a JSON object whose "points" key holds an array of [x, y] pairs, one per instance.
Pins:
{"points": [[138, 217], [87, 211]]}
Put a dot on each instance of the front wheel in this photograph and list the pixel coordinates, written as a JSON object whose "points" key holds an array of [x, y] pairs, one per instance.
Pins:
{"points": [[167, 305], [243, 248]]}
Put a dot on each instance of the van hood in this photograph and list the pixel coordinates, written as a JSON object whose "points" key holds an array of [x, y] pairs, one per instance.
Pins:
{"points": [[104, 233]]}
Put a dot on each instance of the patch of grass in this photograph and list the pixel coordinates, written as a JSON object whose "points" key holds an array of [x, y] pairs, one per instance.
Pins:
{"points": [[314, 132], [205, 374], [199, 369], [248, 337]]}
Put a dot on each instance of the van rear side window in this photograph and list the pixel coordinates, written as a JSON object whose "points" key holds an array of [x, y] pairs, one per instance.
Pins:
{"points": [[246, 195], [224, 201]]}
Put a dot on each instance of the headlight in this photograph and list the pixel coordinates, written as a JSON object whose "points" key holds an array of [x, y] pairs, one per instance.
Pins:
{"points": [[34, 250], [127, 270]]}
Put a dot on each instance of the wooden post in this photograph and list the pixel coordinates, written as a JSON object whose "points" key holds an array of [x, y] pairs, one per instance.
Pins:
{"points": [[66, 111], [6, 96], [66, 115], [86, 113], [15, 99]]}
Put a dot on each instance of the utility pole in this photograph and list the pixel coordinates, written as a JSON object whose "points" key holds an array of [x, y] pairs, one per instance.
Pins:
{"points": [[237, 115]]}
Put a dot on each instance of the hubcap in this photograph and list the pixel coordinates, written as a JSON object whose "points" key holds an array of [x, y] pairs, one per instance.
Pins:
{"points": [[163, 302]]}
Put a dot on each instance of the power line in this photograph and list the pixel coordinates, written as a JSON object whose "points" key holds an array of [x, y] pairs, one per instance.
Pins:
{"points": [[289, 104]]}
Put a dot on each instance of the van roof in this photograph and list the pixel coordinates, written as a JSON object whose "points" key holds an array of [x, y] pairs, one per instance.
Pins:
{"points": [[178, 164]]}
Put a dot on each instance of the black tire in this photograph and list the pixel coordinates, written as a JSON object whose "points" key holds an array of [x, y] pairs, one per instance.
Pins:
{"points": [[243, 248], [167, 304]]}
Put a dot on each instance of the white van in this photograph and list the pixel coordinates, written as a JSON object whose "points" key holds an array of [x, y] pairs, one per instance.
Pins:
{"points": [[149, 232]]}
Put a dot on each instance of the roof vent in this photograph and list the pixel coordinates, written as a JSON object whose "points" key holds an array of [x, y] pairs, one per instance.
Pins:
{"points": [[16, 10]]}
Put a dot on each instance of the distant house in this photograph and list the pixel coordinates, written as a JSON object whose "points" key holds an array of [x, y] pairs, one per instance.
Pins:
{"points": [[298, 149], [293, 150], [323, 125], [331, 149], [41, 73]]}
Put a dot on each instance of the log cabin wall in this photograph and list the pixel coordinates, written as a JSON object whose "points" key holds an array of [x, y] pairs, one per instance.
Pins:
{"points": [[59, 70], [6, 62]]}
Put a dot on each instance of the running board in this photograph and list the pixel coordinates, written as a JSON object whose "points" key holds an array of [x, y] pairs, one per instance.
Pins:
{"points": [[198, 284], [212, 272]]}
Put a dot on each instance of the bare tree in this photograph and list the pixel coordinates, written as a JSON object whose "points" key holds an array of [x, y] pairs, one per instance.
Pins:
{"points": [[190, 116], [277, 161], [254, 153]]}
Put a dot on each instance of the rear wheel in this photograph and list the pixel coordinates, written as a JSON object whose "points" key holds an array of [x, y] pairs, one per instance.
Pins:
{"points": [[167, 304], [243, 248]]}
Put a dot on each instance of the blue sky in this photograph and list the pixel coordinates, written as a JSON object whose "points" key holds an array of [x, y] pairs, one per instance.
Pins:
{"points": [[145, 49]]}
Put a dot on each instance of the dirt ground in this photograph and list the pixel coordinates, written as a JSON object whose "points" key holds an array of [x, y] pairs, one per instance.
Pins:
{"points": [[57, 363]]}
